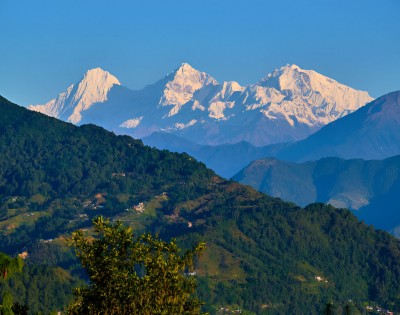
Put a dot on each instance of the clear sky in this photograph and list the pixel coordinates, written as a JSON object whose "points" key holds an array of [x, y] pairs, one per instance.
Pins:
{"points": [[46, 45]]}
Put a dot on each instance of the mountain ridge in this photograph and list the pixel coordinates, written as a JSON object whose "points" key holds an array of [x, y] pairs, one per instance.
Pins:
{"points": [[368, 187], [225, 159], [193, 105]]}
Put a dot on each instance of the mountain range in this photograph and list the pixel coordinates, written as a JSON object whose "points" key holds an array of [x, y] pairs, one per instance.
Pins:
{"points": [[263, 255], [286, 105], [371, 132]]}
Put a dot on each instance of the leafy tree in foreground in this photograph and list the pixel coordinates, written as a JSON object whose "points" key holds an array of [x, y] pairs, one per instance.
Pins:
{"points": [[133, 275]]}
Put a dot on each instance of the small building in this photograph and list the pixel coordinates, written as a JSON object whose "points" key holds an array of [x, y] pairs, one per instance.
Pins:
{"points": [[321, 279], [139, 207], [23, 255]]}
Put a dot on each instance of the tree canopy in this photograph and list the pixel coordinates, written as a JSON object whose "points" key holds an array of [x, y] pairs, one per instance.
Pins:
{"points": [[9, 265], [133, 275]]}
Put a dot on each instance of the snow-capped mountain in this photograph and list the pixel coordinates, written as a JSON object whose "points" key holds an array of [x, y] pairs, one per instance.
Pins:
{"points": [[184, 82], [69, 105], [287, 105], [310, 97]]}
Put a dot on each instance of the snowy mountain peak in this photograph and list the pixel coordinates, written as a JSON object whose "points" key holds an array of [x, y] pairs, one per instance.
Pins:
{"points": [[93, 88], [185, 68], [290, 67], [100, 76], [296, 82], [187, 72], [282, 70], [284, 77], [184, 82]]}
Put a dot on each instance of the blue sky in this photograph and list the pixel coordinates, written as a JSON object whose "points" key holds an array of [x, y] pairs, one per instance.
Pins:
{"points": [[47, 45]]}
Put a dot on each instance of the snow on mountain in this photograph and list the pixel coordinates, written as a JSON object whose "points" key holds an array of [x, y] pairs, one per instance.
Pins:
{"points": [[306, 96], [181, 88], [290, 102], [223, 99], [131, 123], [287, 105], [69, 105]]}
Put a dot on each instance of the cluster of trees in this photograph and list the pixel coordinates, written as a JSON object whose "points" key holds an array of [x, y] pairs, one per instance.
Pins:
{"points": [[42, 288], [8, 266]]}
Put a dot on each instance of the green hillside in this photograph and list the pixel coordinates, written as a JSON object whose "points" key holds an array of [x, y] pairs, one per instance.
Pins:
{"points": [[368, 187], [264, 255]]}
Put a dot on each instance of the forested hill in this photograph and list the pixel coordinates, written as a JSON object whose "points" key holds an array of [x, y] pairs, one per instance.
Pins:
{"points": [[42, 155], [264, 255]]}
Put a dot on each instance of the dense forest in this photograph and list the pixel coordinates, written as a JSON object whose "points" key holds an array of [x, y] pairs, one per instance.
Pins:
{"points": [[263, 255]]}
